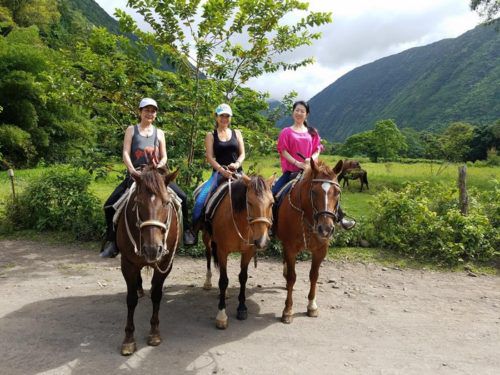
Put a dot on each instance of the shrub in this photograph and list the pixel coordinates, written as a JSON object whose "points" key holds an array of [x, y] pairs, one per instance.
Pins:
{"points": [[424, 221], [58, 200]]}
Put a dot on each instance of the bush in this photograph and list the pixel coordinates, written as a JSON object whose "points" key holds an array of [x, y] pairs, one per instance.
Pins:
{"points": [[59, 200], [424, 221]]}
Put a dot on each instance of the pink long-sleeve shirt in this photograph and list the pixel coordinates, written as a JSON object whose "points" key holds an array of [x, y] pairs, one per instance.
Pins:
{"points": [[291, 141]]}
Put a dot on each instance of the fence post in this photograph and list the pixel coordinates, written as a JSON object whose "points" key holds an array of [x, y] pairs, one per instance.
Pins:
{"points": [[463, 197], [10, 173]]}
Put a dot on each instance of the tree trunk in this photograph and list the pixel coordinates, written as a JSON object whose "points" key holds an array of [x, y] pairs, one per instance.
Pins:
{"points": [[463, 197]]}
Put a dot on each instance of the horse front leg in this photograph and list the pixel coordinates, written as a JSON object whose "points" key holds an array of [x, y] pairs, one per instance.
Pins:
{"points": [[317, 257], [208, 255], [131, 274], [242, 312], [221, 319], [154, 338], [290, 276]]}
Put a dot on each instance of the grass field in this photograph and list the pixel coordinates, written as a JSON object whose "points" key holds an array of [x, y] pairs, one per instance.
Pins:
{"points": [[380, 176]]}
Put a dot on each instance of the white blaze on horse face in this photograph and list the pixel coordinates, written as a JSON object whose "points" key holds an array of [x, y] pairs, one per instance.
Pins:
{"points": [[153, 197], [326, 186]]}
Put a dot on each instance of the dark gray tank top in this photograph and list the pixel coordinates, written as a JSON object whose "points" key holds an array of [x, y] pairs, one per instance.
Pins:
{"points": [[144, 145]]}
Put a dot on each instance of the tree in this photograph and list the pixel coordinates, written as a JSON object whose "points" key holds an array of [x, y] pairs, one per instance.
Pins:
{"points": [[223, 41], [488, 9], [456, 139], [358, 144], [388, 142], [484, 139]]}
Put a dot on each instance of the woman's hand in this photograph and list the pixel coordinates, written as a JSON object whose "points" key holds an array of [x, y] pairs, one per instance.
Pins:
{"points": [[226, 173], [234, 166], [135, 173]]}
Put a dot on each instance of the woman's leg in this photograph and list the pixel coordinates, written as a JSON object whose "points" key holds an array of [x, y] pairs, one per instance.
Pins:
{"points": [[199, 204], [109, 250], [282, 181], [188, 234]]}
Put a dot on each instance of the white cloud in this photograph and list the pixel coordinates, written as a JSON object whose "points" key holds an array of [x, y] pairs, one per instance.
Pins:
{"points": [[362, 31]]}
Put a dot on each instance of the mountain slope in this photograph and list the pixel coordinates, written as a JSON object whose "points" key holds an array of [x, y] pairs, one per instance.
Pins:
{"points": [[422, 88]]}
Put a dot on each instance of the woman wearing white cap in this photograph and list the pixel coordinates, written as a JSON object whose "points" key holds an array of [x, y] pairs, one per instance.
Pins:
{"points": [[142, 143], [225, 151]]}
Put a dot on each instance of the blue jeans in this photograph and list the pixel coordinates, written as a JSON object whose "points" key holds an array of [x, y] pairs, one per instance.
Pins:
{"points": [[207, 187], [282, 181]]}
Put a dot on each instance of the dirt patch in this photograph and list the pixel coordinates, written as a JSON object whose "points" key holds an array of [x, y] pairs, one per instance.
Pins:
{"points": [[63, 312]]}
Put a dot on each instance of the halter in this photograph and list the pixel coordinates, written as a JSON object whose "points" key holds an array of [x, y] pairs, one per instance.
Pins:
{"points": [[251, 220], [155, 223]]}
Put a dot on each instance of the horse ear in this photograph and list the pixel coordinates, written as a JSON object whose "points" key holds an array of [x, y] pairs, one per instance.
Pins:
{"points": [[246, 179], [171, 176], [314, 165], [270, 180], [338, 168]]}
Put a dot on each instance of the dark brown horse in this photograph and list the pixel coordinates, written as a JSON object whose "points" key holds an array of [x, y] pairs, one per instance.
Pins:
{"points": [[240, 224], [354, 174], [147, 234], [306, 220], [348, 164]]}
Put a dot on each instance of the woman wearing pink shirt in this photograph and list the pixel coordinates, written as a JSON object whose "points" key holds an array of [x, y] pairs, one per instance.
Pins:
{"points": [[297, 141]]}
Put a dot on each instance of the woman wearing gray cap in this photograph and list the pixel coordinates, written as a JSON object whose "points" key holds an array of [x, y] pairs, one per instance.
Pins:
{"points": [[225, 152], [142, 143]]}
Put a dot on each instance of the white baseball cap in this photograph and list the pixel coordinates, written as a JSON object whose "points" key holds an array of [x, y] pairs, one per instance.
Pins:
{"points": [[223, 109], [148, 101]]}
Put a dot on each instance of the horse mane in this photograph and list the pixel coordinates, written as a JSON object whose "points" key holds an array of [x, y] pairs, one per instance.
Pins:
{"points": [[153, 182], [323, 169], [239, 191]]}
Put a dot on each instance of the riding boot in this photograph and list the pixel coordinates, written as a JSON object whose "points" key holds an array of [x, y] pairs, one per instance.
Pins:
{"points": [[109, 250], [346, 223], [189, 237]]}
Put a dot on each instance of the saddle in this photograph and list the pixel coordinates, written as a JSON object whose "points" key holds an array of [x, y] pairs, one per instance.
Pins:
{"points": [[278, 198], [122, 202]]}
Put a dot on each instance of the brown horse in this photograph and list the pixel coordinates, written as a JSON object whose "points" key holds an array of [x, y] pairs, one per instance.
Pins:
{"points": [[147, 234], [240, 224], [305, 221], [347, 165], [354, 174]]}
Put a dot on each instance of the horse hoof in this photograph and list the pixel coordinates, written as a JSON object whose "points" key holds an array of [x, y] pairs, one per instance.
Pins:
{"points": [[242, 315], [207, 286], [154, 340], [128, 348], [287, 318], [312, 313], [140, 293], [221, 324]]}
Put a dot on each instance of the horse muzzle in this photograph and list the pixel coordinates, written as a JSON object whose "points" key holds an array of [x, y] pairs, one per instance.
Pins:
{"points": [[152, 253]]}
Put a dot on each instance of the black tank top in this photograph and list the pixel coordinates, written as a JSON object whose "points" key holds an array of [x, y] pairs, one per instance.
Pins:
{"points": [[226, 152], [143, 145]]}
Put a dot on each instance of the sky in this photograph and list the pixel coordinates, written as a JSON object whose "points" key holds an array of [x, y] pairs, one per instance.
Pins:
{"points": [[362, 31]]}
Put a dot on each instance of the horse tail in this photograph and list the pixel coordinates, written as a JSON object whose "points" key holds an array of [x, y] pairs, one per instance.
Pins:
{"points": [[214, 254]]}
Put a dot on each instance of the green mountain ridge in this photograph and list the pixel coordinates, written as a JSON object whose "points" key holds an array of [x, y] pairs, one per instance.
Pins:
{"points": [[422, 88]]}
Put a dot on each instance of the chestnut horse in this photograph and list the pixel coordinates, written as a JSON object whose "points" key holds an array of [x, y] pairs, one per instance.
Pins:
{"points": [[305, 221], [147, 234], [240, 224]]}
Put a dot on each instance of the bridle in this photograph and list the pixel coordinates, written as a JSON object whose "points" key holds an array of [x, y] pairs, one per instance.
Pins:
{"points": [[251, 220], [316, 213], [165, 226]]}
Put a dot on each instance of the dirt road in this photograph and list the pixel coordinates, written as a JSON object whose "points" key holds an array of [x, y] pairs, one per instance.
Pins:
{"points": [[63, 312]]}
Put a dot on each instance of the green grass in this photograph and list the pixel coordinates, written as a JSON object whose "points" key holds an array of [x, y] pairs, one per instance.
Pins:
{"points": [[354, 203]]}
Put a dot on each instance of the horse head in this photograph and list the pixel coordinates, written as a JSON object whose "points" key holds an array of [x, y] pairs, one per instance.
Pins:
{"points": [[324, 195], [259, 202], [154, 211]]}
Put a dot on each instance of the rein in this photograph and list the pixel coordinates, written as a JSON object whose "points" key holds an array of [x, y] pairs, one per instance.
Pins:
{"points": [[251, 220]]}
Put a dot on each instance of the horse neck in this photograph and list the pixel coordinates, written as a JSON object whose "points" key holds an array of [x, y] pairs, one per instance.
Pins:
{"points": [[240, 218]]}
